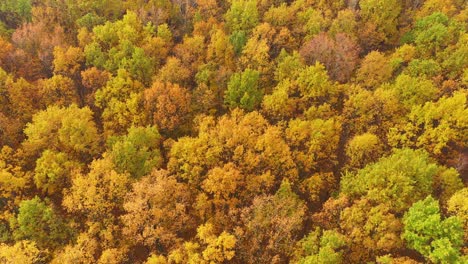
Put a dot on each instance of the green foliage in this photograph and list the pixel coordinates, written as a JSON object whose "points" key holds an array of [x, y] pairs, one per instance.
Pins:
{"points": [[414, 91], [437, 127], [430, 33], [437, 239], [325, 247], [119, 45], [399, 180], [137, 152], [37, 221], [313, 82], [53, 171], [243, 90], [242, 15], [239, 131]]}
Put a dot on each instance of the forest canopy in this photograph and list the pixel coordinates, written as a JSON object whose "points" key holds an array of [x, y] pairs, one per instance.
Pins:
{"points": [[239, 131]]}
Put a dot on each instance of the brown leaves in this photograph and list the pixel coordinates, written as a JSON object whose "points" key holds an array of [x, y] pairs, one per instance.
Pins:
{"points": [[168, 104], [339, 55]]}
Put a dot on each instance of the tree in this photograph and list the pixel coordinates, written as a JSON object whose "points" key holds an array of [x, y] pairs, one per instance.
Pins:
{"points": [[14, 182], [437, 127], [256, 148], [83, 251], [458, 207], [283, 101], [191, 53], [157, 212], [242, 15], [93, 79], [222, 195], [339, 55], [399, 180], [119, 45], [327, 246], [121, 103], [174, 72], [70, 130], [368, 76], [137, 152], [373, 112], [438, 240], [430, 34], [209, 248], [25, 96], [168, 105], [38, 40], [53, 172], [371, 229], [99, 194], [21, 252], [218, 248], [314, 144], [271, 226], [59, 91], [255, 55], [383, 15], [68, 61], [243, 90], [39, 222], [314, 84], [363, 149]]}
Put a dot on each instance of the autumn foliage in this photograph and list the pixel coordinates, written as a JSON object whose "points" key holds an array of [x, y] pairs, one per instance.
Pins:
{"points": [[240, 131]]}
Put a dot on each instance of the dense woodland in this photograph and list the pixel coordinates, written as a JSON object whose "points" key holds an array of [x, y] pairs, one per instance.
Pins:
{"points": [[238, 131]]}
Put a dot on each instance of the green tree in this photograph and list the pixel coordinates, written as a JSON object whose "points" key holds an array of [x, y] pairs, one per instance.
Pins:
{"points": [[400, 179], [323, 247], [438, 240], [243, 90], [414, 91], [137, 152], [39, 222], [242, 15], [53, 172]]}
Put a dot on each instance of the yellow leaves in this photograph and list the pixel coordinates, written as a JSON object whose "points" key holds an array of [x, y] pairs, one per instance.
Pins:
{"points": [[71, 130], [255, 55], [363, 149], [24, 252], [314, 143], [367, 74], [436, 126], [220, 50], [318, 185], [173, 72], [218, 248], [458, 205], [247, 140], [222, 182], [99, 193], [67, 61], [59, 90]]}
